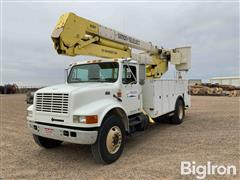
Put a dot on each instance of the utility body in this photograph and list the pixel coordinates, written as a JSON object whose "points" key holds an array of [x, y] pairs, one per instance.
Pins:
{"points": [[105, 99]]}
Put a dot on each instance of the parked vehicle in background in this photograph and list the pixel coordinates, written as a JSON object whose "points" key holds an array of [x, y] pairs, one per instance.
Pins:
{"points": [[9, 89]]}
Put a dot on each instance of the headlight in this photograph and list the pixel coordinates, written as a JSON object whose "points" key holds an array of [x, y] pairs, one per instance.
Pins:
{"points": [[29, 113], [85, 119], [79, 119]]}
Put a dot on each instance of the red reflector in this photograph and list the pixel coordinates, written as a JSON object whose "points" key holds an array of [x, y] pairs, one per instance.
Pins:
{"points": [[119, 94]]}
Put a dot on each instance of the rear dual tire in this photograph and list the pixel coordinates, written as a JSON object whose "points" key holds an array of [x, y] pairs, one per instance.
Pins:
{"points": [[177, 117], [179, 113]]}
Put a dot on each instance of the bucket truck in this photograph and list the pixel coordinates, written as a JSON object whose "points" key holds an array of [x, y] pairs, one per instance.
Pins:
{"points": [[107, 98]]}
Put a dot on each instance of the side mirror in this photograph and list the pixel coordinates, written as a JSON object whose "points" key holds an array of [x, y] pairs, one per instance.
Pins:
{"points": [[142, 74], [129, 74]]}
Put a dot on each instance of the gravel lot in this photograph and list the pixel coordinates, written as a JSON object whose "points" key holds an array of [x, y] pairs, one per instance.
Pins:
{"points": [[210, 132]]}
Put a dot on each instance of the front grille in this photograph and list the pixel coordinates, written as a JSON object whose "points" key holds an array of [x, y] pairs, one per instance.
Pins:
{"points": [[52, 102]]}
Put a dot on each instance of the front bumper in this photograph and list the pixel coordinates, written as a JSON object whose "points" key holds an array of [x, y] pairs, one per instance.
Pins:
{"points": [[66, 133]]}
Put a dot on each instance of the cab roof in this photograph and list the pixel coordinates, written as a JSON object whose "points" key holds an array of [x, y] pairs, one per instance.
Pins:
{"points": [[103, 60]]}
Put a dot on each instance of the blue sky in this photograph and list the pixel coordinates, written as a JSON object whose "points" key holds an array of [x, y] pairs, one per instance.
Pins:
{"points": [[212, 29]]}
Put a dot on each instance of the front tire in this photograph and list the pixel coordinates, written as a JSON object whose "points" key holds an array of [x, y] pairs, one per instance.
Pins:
{"points": [[110, 142], [46, 142], [179, 112]]}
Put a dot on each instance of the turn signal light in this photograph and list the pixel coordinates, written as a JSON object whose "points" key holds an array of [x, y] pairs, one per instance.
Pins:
{"points": [[91, 119]]}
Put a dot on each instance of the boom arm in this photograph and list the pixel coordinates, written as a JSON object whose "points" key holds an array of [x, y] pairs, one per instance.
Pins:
{"points": [[74, 35]]}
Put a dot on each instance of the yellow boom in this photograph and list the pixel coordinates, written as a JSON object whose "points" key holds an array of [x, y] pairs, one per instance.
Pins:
{"points": [[74, 35]]}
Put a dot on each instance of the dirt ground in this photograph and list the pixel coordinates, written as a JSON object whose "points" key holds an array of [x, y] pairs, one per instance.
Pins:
{"points": [[211, 132]]}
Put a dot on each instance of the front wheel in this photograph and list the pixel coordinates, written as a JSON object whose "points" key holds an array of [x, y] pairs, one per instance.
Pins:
{"points": [[110, 142], [46, 142], [179, 112]]}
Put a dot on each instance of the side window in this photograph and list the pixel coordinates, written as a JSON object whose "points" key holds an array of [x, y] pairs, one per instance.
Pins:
{"points": [[129, 72]]}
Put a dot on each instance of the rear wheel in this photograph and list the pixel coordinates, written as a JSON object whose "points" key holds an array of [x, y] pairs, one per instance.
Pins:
{"points": [[179, 112], [110, 142], [46, 142]]}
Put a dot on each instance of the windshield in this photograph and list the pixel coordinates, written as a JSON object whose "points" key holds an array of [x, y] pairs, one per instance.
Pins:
{"points": [[98, 72]]}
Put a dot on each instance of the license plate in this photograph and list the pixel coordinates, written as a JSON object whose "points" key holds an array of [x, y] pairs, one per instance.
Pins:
{"points": [[48, 131]]}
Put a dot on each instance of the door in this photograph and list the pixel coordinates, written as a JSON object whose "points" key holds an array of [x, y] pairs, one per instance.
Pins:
{"points": [[131, 89]]}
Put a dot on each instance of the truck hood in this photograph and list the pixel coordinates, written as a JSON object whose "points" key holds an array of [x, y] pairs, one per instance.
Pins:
{"points": [[83, 99], [70, 88]]}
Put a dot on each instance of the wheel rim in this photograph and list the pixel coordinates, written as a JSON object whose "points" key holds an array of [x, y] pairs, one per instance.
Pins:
{"points": [[180, 112], [114, 139]]}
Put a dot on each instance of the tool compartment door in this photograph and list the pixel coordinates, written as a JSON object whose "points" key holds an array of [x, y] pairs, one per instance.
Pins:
{"points": [[161, 91], [165, 96], [172, 85]]}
